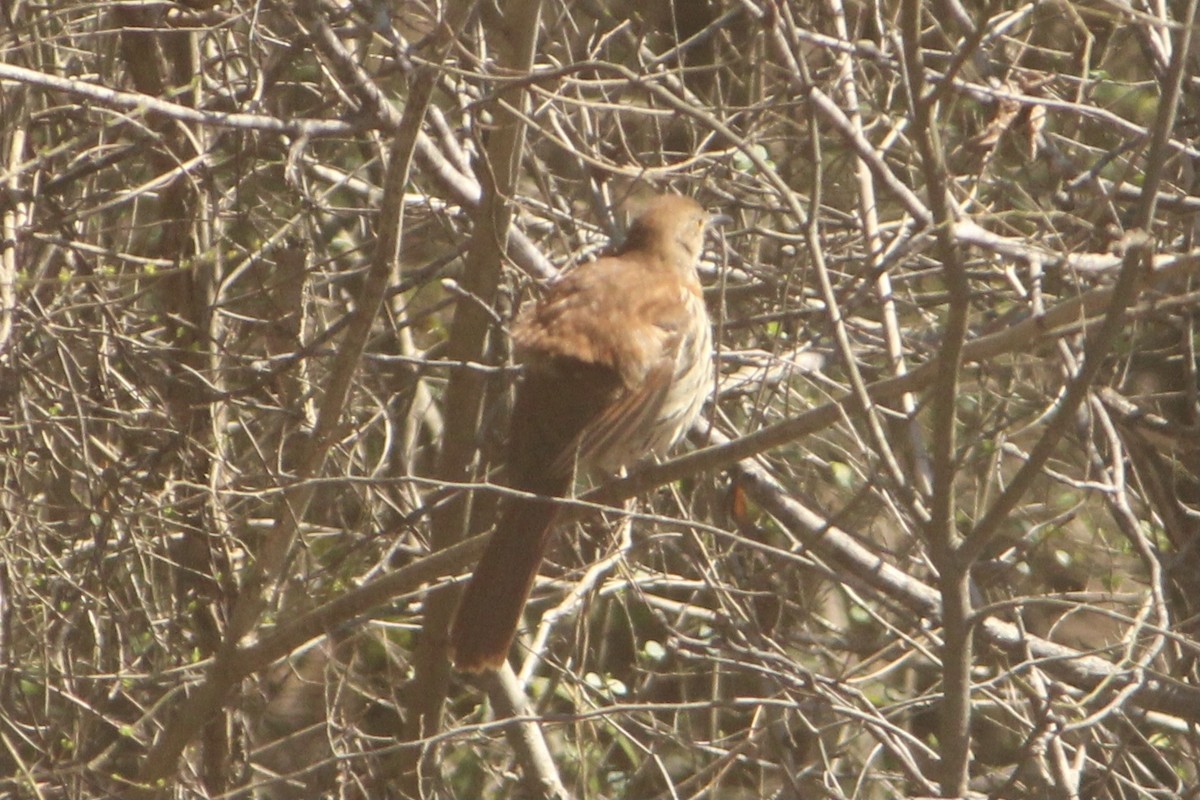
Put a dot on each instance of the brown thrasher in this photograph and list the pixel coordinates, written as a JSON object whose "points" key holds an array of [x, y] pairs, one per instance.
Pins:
{"points": [[617, 362]]}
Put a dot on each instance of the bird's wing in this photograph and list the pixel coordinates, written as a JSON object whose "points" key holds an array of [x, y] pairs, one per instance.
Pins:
{"points": [[635, 332], [623, 431]]}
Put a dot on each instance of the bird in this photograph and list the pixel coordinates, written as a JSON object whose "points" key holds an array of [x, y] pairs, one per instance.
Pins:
{"points": [[617, 361]]}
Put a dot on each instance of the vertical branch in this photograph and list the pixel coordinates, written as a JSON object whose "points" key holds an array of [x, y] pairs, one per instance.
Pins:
{"points": [[940, 530], [11, 221], [868, 211], [868, 214], [514, 36], [160, 61], [268, 568], [798, 72]]}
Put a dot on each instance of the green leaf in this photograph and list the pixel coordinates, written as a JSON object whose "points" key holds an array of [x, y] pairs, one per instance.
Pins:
{"points": [[843, 475]]}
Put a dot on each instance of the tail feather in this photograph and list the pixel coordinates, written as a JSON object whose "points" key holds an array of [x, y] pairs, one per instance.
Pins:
{"points": [[490, 609]]}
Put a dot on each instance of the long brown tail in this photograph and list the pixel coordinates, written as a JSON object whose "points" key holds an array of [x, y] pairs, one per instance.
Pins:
{"points": [[490, 609]]}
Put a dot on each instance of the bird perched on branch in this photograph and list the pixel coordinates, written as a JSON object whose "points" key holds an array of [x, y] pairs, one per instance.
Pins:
{"points": [[617, 362]]}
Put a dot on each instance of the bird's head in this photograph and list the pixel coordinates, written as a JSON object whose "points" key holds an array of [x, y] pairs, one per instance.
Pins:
{"points": [[673, 227]]}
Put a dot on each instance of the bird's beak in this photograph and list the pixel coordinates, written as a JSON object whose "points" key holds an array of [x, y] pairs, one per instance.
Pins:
{"points": [[719, 219]]}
